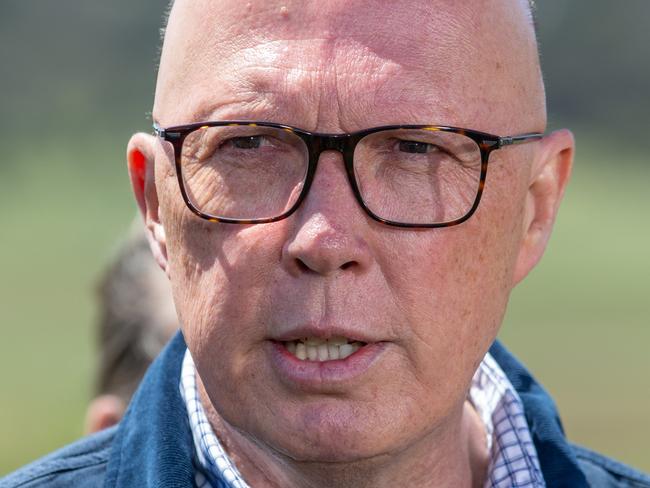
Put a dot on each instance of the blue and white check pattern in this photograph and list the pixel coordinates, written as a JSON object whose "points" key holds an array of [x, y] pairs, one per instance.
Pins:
{"points": [[513, 458], [215, 469]]}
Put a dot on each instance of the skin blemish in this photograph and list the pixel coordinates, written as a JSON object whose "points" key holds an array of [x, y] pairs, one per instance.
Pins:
{"points": [[284, 12]]}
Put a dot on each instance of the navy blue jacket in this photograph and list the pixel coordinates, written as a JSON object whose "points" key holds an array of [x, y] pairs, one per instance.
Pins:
{"points": [[152, 446]]}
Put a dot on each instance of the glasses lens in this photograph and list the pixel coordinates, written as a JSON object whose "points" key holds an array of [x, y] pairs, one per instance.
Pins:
{"points": [[418, 176], [243, 171]]}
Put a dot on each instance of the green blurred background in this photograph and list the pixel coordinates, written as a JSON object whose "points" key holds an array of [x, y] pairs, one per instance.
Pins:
{"points": [[76, 79]]}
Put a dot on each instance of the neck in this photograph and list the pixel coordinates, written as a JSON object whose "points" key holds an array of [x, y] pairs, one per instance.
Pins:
{"points": [[454, 455]]}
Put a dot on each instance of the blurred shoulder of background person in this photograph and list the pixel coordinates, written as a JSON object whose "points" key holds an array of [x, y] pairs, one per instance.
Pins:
{"points": [[136, 317]]}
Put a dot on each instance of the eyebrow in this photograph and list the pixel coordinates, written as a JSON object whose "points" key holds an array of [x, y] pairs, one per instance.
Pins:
{"points": [[239, 110]]}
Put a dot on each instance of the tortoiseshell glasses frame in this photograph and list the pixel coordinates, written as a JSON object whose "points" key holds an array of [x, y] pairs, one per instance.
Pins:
{"points": [[345, 143]]}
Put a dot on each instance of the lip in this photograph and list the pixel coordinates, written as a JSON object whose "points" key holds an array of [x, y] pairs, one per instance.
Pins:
{"points": [[319, 376]]}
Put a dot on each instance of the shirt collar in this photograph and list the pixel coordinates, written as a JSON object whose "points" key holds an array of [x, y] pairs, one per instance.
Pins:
{"points": [[215, 468], [513, 457]]}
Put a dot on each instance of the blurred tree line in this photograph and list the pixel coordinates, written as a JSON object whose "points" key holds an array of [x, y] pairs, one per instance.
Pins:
{"points": [[88, 67], [596, 62], [71, 66]]}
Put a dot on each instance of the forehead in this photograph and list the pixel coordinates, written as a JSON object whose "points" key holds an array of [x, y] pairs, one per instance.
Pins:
{"points": [[336, 65]]}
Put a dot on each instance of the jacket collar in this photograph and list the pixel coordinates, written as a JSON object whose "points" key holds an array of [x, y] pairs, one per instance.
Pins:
{"points": [[153, 444]]}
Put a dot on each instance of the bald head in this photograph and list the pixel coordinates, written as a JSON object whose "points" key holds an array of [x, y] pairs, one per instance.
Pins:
{"points": [[532, 7], [483, 60]]}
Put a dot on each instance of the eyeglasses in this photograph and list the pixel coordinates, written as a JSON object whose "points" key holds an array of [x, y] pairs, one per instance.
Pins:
{"points": [[244, 172]]}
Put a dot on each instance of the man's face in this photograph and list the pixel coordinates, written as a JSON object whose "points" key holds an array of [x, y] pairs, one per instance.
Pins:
{"points": [[428, 303]]}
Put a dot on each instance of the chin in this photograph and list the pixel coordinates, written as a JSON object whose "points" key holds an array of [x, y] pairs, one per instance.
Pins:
{"points": [[334, 434], [328, 451]]}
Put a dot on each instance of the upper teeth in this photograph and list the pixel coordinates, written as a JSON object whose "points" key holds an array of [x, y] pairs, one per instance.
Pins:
{"points": [[316, 349]]}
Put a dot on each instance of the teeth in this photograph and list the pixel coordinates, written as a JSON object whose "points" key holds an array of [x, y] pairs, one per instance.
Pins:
{"points": [[345, 350], [322, 352], [315, 349], [301, 351], [337, 341]]}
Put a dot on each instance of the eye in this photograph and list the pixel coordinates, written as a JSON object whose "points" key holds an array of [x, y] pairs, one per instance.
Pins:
{"points": [[247, 142], [415, 147]]}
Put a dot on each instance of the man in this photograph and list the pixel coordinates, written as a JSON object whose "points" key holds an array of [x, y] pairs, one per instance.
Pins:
{"points": [[337, 283]]}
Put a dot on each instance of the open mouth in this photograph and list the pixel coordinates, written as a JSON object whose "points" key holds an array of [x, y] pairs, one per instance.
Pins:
{"points": [[316, 349]]}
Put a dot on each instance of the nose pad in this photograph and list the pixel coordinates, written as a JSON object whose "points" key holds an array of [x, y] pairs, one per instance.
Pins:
{"points": [[327, 234]]}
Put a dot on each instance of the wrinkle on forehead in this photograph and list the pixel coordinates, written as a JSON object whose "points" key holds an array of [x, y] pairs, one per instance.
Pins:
{"points": [[323, 86], [462, 60]]}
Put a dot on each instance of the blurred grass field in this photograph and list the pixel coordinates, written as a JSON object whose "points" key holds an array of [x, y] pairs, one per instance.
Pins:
{"points": [[580, 321]]}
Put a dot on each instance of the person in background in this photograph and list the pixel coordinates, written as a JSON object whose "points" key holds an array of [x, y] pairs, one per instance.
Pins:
{"points": [[136, 318]]}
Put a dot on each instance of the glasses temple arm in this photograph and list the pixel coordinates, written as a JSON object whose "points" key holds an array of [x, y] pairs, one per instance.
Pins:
{"points": [[519, 139], [159, 131]]}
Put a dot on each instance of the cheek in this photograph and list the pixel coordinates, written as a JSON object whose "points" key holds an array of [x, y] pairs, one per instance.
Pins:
{"points": [[219, 291], [220, 275], [452, 286]]}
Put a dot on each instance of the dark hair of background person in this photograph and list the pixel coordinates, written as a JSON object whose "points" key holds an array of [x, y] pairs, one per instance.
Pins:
{"points": [[136, 316]]}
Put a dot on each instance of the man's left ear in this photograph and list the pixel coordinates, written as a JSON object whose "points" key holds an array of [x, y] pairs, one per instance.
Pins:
{"points": [[549, 176], [140, 156]]}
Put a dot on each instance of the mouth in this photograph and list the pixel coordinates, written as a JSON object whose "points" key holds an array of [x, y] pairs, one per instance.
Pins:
{"points": [[322, 350], [317, 363]]}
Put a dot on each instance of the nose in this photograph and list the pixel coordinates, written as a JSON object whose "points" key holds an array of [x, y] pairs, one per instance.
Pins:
{"points": [[329, 232]]}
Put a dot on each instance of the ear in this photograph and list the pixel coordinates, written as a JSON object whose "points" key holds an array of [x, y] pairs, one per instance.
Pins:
{"points": [[103, 412], [140, 156], [549, 176]]}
